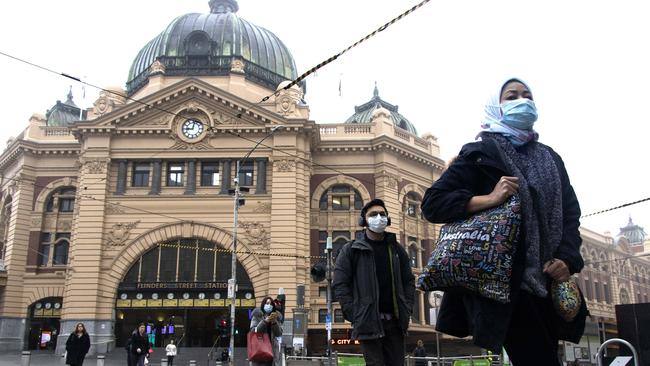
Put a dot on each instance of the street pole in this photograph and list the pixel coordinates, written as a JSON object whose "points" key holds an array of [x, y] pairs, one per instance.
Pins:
{"points": [[232, 283], [328, 320]]}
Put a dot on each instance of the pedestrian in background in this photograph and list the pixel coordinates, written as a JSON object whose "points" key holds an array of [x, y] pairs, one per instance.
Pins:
{"points": [[419, 351], [77, 346], [171, 352], [267, 319], [139, 345], [508, 160], [375, 286]]}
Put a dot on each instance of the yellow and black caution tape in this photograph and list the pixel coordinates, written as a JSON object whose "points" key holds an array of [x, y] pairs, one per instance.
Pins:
{"points": [[325, 62]]}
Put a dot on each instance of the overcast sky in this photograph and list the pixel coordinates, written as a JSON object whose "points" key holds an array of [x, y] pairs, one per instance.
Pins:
{"points": [[586, 62]]}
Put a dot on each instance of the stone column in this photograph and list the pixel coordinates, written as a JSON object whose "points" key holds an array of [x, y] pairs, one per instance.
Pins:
{"points": [[260, 187], [121, 177], [225, 177], [190, 187], [86, 299], [13, 311], [156, 177]]}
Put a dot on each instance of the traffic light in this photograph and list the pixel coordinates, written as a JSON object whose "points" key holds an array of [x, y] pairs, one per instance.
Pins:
{"points": [[223, 327]]}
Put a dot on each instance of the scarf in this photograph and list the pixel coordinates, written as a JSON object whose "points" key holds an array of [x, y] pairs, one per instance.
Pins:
{"points": [[540, 191], [492, 120]]}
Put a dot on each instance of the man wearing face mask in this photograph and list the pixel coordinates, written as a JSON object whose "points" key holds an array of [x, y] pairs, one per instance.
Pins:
{"points": [[374, 284]]}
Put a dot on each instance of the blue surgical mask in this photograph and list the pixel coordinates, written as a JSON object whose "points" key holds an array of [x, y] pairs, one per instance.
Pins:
{"points": [[377, 223], [268, 308], [519, 113]]}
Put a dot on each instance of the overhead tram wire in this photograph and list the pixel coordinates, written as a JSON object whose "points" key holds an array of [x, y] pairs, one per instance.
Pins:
{"points": [[355, 44], [237, 115], [616, 207]]}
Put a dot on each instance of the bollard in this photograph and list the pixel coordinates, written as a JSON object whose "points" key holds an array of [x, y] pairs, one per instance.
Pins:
{"points": [[163, 362], [100, 360], [192, 363], [25, 358]]}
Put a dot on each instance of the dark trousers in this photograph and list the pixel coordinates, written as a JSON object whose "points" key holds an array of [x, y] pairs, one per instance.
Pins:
{"points": [[532, 338], [388, 350], [170, 360]]}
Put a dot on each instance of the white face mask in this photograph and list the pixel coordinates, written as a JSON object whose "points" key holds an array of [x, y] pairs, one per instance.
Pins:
{"points": [[377, 223]]}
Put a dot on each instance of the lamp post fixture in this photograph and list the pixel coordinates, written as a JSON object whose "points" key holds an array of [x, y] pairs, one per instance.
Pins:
{"points": [[238, 201]]}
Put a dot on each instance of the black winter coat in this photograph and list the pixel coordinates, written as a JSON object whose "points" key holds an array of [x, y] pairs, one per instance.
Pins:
{"points": [[356, 287], [138, 341], [475, 172], [76, 349]]}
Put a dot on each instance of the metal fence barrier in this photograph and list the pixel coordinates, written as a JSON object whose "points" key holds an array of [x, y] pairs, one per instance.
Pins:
{"points": [[599, 354], [349, 359]]}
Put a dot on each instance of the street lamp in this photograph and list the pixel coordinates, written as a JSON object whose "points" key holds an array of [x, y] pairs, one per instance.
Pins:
{"points": [[232, 282]]}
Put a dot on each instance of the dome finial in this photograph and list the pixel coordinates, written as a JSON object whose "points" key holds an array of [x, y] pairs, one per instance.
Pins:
{"points": [[69, 100], [223, 6], [375, 92]]}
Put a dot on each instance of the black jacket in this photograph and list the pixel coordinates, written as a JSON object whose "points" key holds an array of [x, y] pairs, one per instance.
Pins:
{"points": [[76, 349], [475, 172], [356, 288], [138, 341]]}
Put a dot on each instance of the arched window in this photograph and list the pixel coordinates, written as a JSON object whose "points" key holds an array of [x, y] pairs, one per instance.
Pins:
{"points": [[340, 197], [412, 204], [61, 248], [61, 200], [5, 216], [625, 298], [197, 44]]}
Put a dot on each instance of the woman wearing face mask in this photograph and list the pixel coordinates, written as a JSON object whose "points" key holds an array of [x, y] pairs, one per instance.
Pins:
{"points": [[268, 319], [509, 160]]}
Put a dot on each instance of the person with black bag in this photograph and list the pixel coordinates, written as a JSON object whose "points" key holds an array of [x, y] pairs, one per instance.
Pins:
{"points": [[375, 286], [508, 160], [77, 346]]}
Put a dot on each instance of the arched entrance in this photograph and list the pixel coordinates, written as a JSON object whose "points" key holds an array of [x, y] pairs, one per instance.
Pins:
{"points": [[178, 289], [44, 323]]}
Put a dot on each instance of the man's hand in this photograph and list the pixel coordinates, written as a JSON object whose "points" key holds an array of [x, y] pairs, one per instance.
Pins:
{"points": [[138, 350], [557, 269]]}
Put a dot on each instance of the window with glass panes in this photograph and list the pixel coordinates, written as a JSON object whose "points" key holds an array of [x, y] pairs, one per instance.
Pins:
{"points": [[339, 239], [60, 255], [322, 315], [210, 174], [140, 176], [64, 198], [322, 292], [412, 202], [44, 249], [413, 255], [341, 196], [246, 173], [338, 316], [175, 172]]}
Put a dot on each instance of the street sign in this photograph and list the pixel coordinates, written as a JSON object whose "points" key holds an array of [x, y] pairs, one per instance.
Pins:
{"points": [[328, 322], [231, 288], [621, 361]]}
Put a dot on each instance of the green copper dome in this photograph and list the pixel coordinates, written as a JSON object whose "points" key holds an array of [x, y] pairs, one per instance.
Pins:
{"points": [[363, 113], [206, 44]]}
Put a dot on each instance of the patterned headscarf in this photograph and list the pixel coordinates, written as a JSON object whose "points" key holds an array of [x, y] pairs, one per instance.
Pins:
{"points": [[492, 120]]}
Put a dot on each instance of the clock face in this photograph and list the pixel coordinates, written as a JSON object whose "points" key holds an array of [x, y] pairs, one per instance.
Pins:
{"points": [[201, 296], [217, 295], [154, 296], [192, 128], [138, 296], [123, 296], [57, 305], [48, 305], [186, 296], [170, 295]]}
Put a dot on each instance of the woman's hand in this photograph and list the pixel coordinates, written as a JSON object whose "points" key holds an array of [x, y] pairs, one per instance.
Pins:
{"points": [[557, 269], [505, 187], [138, 350], [272, 318]]}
